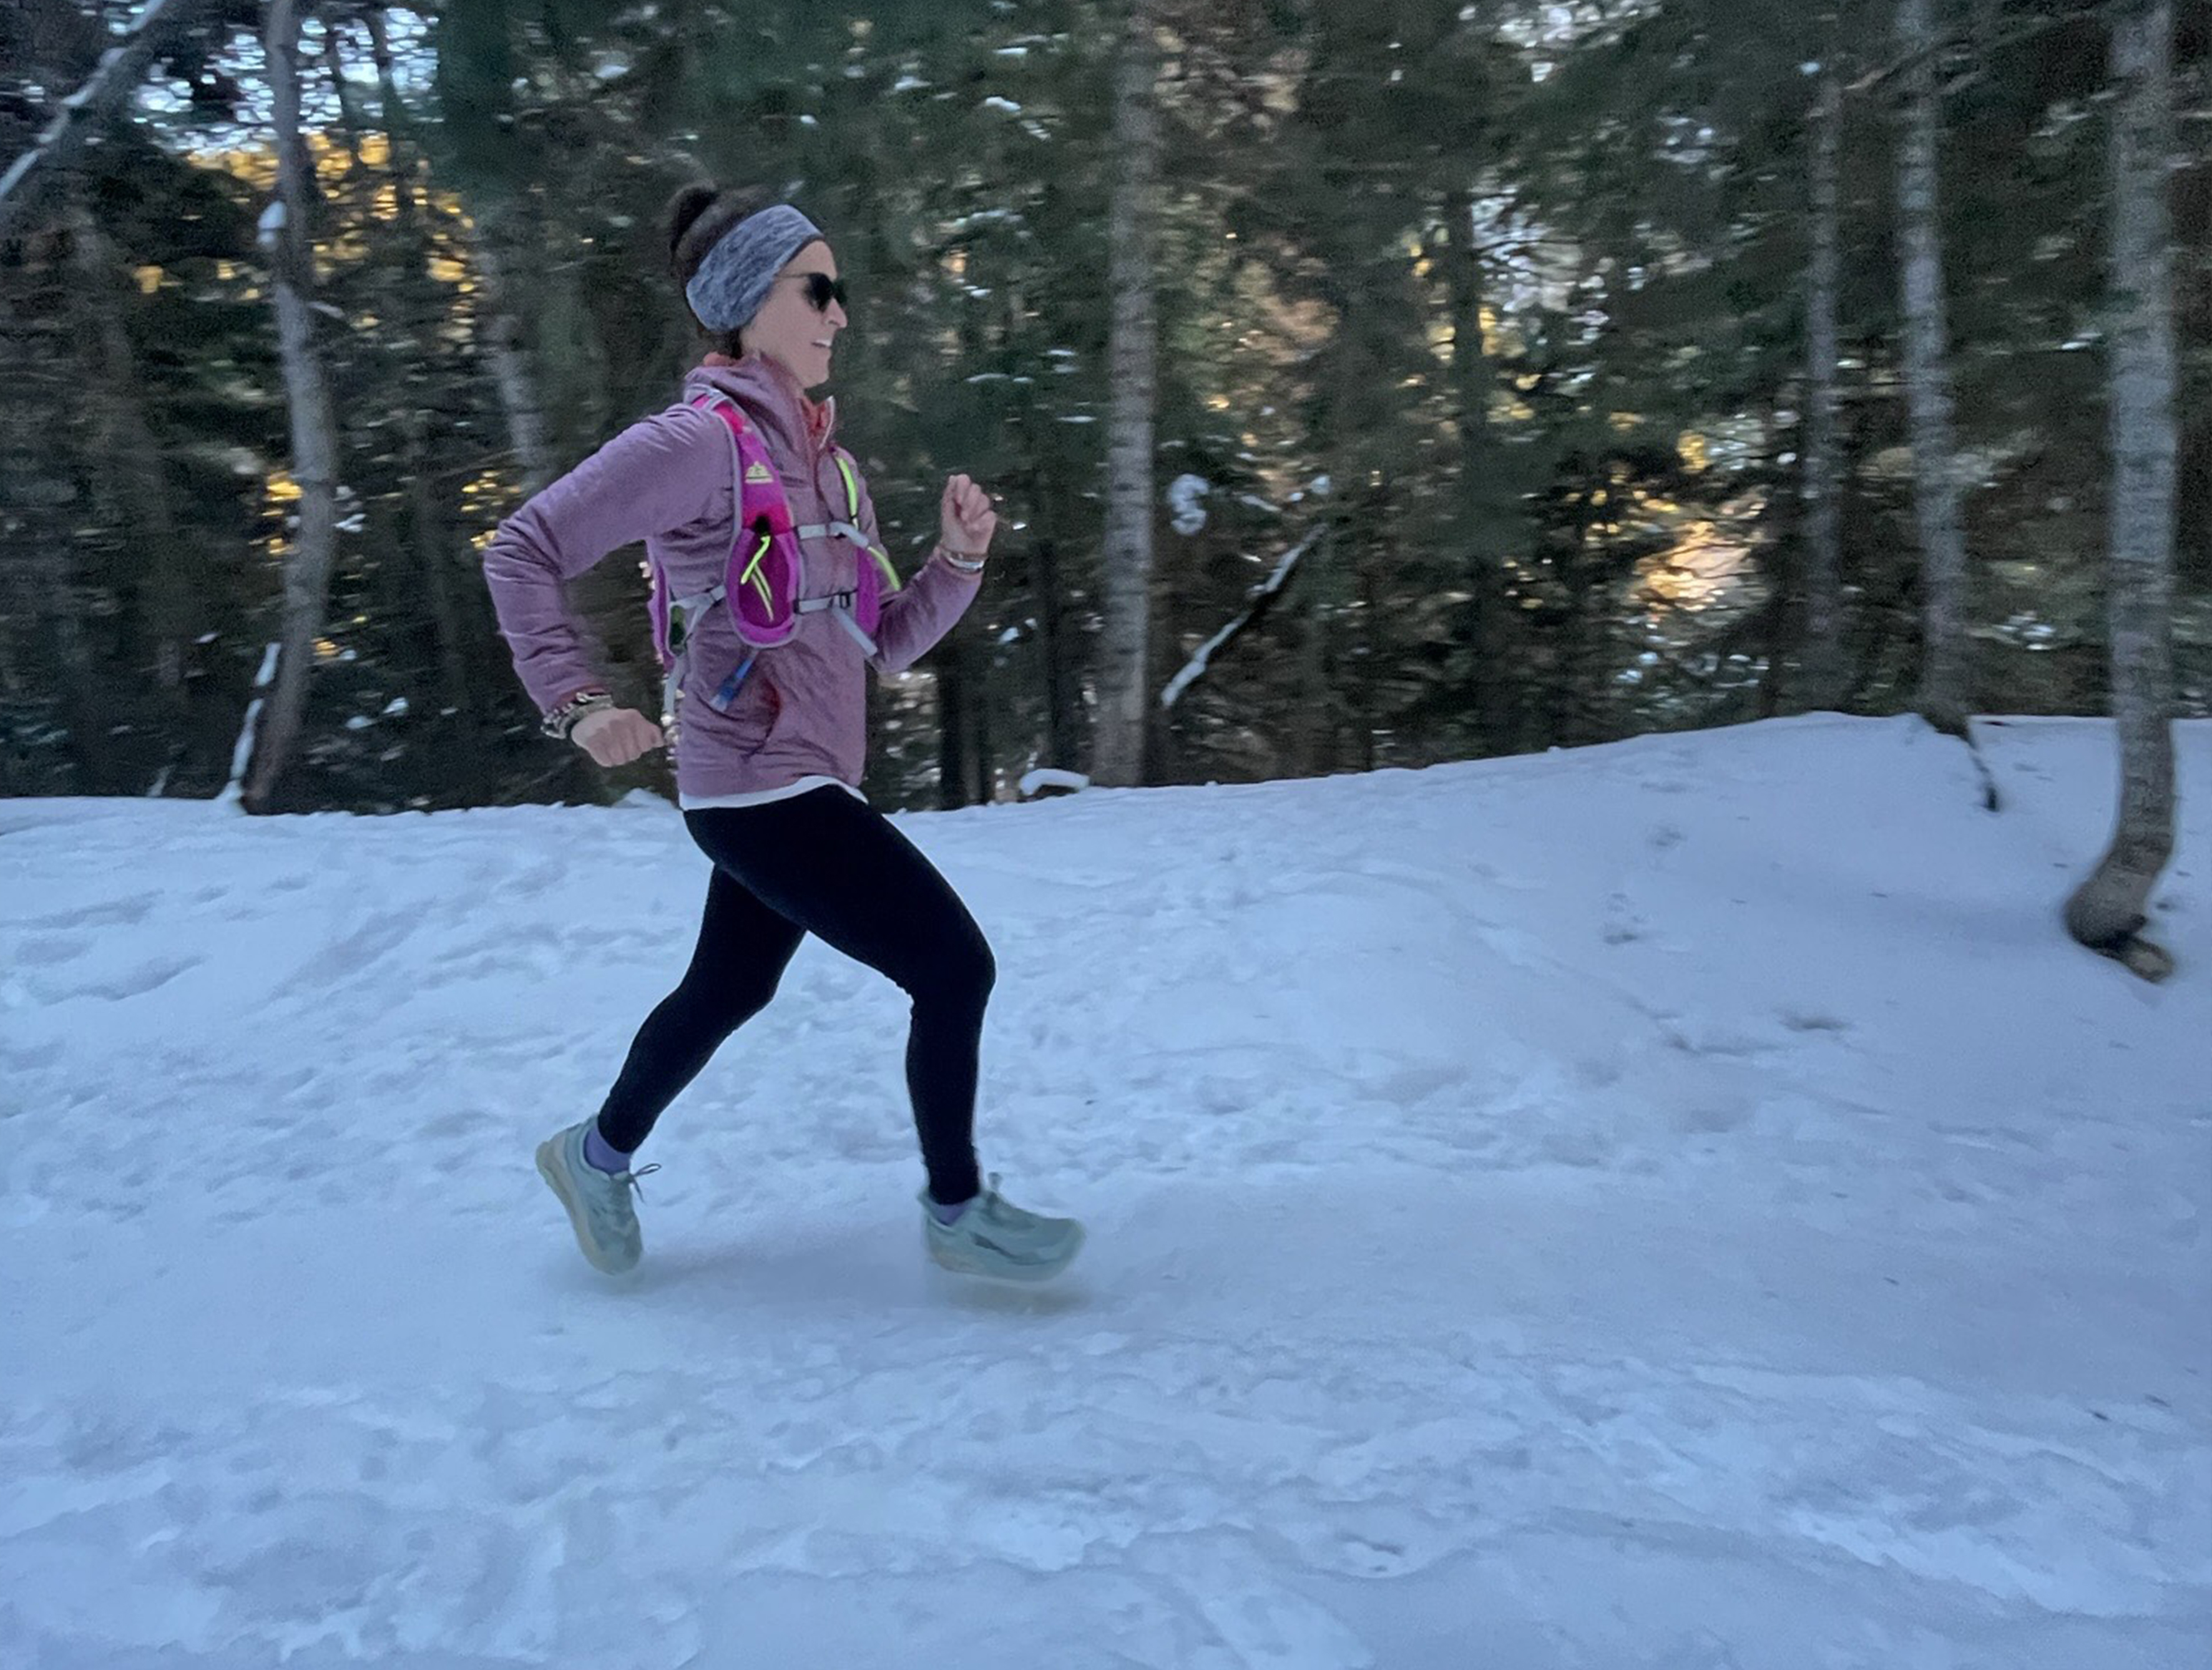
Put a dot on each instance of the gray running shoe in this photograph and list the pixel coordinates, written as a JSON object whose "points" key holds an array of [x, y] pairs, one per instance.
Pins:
{"points": [[994, 1238], [598, 1202]]}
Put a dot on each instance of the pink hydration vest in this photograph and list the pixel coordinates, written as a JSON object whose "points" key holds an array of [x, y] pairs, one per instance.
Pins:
{"points": [[761, 576]]}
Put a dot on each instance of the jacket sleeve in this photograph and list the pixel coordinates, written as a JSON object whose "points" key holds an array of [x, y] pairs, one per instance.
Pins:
{"points": [[663, 473], [917, 615]]}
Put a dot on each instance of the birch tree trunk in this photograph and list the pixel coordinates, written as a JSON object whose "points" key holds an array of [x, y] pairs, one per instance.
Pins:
{"points": [[313, 431], [2108, 912], [1823, 664], [609, 602], [500, 335], [1125, 641], [1942, 698]]}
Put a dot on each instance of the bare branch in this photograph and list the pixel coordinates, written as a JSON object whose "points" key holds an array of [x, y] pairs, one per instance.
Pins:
{"points": [[1875, 79], [120, 69]]}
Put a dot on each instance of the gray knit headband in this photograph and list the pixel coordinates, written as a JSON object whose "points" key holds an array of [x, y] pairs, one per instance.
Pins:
{"points": [[734, 279]]}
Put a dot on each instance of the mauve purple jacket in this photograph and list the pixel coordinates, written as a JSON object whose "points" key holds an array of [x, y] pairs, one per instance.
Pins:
{"points": [[669, 481]]}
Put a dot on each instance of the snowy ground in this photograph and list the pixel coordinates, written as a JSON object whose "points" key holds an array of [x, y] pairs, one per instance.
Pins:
{"points": [[1680, 1203]]}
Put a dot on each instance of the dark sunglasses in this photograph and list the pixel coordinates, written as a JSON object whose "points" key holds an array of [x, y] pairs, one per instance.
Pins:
{"points": [[821, 289]]}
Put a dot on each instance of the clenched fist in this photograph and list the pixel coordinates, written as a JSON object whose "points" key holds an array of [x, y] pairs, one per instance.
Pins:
{"points": [[965, 518], [615, 735]]}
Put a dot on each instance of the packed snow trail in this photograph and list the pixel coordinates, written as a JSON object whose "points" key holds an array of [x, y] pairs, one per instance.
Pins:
{"points": [[1680, 1204]]}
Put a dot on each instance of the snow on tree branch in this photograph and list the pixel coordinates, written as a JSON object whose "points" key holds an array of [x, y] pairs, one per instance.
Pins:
{"points": [[1196, 668]]}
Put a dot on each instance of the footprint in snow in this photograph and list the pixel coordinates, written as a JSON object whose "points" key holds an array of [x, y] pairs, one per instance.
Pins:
{"points": [[121, 987], [1270, 1627], [1812, 1020], [111, 913], [1624, 924], [45, 951]]}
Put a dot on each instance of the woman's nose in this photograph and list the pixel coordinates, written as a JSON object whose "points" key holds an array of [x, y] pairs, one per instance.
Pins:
{"points": [[835, 314]]}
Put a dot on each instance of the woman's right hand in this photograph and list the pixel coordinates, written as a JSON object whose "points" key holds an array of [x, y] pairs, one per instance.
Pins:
{"points": [[615, 735]]}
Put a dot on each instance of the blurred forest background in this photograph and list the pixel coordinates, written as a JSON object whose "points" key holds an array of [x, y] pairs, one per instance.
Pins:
{"points": [[1368, 382]]}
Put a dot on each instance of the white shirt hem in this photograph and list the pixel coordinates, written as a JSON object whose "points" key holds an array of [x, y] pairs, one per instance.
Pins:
{"points": [[766, 796]]}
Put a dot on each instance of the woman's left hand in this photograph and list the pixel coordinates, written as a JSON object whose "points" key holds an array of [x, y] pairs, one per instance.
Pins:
{"points": [[966, 520]]}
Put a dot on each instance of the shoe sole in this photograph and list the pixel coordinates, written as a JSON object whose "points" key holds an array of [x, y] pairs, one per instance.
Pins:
{"points": [[1025, 1276], [549, 1170]]}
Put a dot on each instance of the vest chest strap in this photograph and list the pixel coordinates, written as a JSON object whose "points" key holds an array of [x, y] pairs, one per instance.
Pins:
{"points": [[832, 531]]}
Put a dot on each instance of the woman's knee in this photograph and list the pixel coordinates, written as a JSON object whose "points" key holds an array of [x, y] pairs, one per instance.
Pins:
{"points": [[961, 975], [724, 1001]]}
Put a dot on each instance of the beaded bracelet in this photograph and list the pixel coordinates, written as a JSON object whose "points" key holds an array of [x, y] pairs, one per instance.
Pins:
{"points": [[562, 719]]}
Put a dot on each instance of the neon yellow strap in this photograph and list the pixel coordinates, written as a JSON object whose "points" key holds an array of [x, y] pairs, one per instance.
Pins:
{"points": [[852, 514], [754, 578]]}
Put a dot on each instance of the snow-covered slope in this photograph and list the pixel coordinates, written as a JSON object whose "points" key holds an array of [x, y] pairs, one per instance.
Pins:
{"points": [[1680, 1203]]}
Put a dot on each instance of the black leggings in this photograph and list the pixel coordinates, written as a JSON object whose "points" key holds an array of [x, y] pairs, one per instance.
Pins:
{"points": [[828, 863]]}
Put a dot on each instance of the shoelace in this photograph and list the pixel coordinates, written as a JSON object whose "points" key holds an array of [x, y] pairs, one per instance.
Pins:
{"points": [[631, 1178], [997, 1209]]}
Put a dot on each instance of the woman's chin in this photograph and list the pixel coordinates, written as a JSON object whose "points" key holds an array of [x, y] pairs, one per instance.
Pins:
{"points": [[809, 372]]}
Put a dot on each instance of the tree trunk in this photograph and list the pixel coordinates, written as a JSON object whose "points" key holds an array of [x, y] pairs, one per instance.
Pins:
{"points": [[1050, 521], [1942, 698], [419, 311], [2108, 912], [1054, 654], [48, 671], [313, 430], [1314, 715], [1125, 642], [1823, 666], [1058, 647], [1474, 383], [430, 534], [963, 743], [607, 603], [132, 457], [1363, 608], [501, 338]]}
